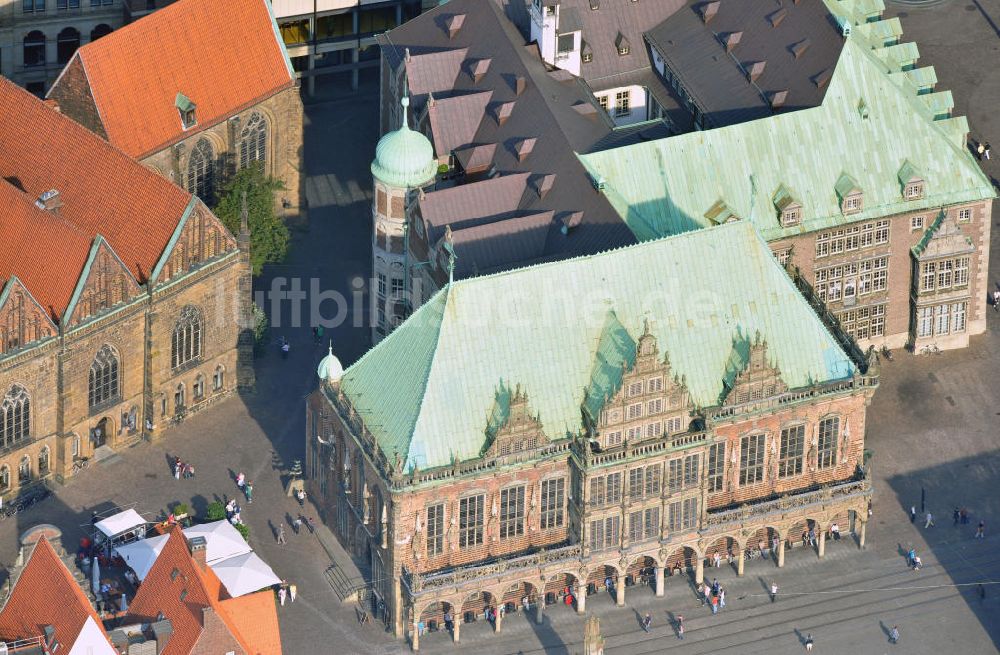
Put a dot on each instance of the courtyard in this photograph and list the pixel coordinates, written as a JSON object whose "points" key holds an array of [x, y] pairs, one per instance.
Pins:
{"points": [[932, 434]]}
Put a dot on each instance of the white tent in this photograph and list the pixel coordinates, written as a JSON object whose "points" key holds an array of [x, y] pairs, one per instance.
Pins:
{"points": [[244, 574], [140, 555], [222, 540], [116, 524]]}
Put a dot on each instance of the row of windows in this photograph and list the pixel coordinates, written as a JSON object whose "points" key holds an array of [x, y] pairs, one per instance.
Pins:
{"points": [[851, 238], [644, 482], [623, 103], [644, 524], [651, 430], [67, 43], [938, 320], [24, 471], [471, 515], [944, 274], [251, 148], [35, 6], [863, 322], [853, 279]]}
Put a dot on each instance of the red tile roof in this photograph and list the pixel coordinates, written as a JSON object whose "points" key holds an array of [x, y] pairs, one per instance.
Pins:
{"points": [[102, 190], [46, 594], [224, 56], [161, 592]]}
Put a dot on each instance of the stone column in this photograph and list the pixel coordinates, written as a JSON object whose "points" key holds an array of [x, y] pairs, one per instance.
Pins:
{"points": [[620, 592], [739, 563], [699, 571], [456, 624], [861, 534], [822, 543], [498, 621], [781, 553], [659, 580], [415, 640], [540, 608], [581, 597]]}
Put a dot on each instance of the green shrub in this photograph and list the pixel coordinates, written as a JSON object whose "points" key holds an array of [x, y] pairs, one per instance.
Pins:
{"points": [[243, 530], [215, 511]]}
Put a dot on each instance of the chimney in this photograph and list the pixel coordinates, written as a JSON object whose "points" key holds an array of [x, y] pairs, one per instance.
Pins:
{"points": [[49, 201], [162, 630], [199, 550], [709, 10]]}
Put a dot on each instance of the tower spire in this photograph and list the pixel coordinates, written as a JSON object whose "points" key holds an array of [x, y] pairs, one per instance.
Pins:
{"points": [[405, 101]]}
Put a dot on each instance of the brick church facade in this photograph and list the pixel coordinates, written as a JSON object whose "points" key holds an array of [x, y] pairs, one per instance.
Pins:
{"points": [[726, 431], [198, 114], [120, 331]]}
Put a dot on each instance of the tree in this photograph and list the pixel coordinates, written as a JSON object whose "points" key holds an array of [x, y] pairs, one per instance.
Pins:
{"points": [[268, 233]]}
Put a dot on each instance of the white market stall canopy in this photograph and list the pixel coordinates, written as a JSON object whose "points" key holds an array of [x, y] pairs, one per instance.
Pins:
{"points": [[122, 522], [245, 574], [140, 555], [222, 540]]}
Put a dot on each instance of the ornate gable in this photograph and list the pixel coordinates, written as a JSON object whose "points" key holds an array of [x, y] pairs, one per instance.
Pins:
{"points": [[200, 237], [752, 375], [511, 428], [22, 319], [104, 283]]}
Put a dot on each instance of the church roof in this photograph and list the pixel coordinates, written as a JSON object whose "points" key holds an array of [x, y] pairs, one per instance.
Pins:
{"points": [[223, 56], [427, 390], [869, 124], [102, 192]]}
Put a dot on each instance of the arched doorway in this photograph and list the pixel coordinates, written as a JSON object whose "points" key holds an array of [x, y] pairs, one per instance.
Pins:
{"points": [[436, 617], [100, 433], [642, 574], [475, 605], [723, 552], [520, 596], [603, 579], [559, 586]]}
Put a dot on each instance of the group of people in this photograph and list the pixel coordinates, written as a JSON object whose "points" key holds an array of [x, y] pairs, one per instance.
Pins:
{"points": [[983, 150], [713, 595], [246, 486], [913, 560], [286, 591], [233, 512], [182, 468]]}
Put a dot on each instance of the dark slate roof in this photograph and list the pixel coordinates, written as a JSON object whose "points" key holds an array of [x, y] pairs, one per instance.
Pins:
{"points": [[552, 112], [768, 32]]}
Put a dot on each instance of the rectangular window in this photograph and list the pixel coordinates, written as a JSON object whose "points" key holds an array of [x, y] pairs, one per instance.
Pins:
{"points": [[913, 190], [690, 519], [823, 245], [675, 476], [943, 315], [716, 466], [751, 459], [881, 232], [852, 204], [961, 272], [512, 512], [964, 215], [925, 321], [435, 530], [927, 276], [782, 255], [944, 274], [634, 389], [635, 526], [553, 498], [674, 516], [635, 478], [623, 103], [397, 287], [793, 441], [381, 285], [916, 222], [829, 432], [654, 406], [644, 524], [654, 385], [564, 44], [654, 430], [652, 485], [634, 411], [958, 317], [605, 533], [691, 465], [633, 434], [606, 489], [603, 102], [675, 424], [470, 521], [614, 438]]}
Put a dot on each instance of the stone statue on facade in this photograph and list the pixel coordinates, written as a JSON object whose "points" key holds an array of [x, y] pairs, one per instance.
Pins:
{"points": [[365, 495]]}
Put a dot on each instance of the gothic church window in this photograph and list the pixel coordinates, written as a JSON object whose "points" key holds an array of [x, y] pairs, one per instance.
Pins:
{"points": [[15, 416], [201, 171], [103, 386], [253, 141], [186, 342]]}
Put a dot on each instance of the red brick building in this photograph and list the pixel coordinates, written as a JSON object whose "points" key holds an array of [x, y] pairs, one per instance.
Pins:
{"points": [[532, 434], [117, 330]]}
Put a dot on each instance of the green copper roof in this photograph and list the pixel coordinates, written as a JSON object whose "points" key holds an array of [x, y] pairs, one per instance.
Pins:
{"points": [[869, 125], [435, 387], [404, 158]]}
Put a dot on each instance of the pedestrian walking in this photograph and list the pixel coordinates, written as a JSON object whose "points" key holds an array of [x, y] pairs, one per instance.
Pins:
{"points": [[956, 516], [996, 300], [297, 524], [241, 480], [177, 469], [281, 595], [646, 622], [285, 348], [809, 642], [913, 513], [281, 534], [964, 514], [980, 150], [680, 626], [248, 490], [917, 563], [292, 590], [929, 523], [894, 635], [981, 530], [715, 586], [707, 591], [910, 556], [986, 151], [716, 560], [722, 598], [774, 591], [715, 604]]}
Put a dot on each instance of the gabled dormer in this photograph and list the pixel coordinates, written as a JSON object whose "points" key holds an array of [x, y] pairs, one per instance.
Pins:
{"points": [[911, 182], [186, 108], [849, 194], [789, 210], [105, 283], [720, 213], [511, 428], [751, 374], [23, 320]]}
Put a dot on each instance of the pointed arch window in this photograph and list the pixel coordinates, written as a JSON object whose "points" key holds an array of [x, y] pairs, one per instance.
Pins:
{"points": [[253, 141], [201, 171], [219, 380], [104, 378], [43, 462], [4, 478], [186, 343], [15, 416], [24, 470]]}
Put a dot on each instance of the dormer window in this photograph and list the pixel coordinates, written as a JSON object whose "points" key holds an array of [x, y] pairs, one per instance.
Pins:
{"points": [[850, 195], [853, 203], [789, 211], [588, 57], [911, 182], [186, 108], [622, 45], [623, 49], [914, 190], [791, 216]]}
